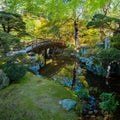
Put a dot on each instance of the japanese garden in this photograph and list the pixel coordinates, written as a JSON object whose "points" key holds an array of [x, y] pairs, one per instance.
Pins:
{"points": [[59, 60]]}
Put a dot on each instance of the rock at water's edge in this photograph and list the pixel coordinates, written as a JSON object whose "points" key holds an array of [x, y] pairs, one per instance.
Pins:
{"points": [[67, 104], [4, 80]]}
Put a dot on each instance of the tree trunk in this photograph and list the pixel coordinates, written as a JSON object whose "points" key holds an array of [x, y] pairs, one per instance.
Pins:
{"points": [[76, 27], [3, 26], [74, 75], [8, 29]]}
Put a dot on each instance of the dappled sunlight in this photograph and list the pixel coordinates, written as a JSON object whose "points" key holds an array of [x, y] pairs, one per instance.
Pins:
{"points": [[83, 81], [72, 47], [55, 64]]}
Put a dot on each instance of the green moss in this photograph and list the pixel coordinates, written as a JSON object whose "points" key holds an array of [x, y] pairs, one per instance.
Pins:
{"points": [[35, 98]]}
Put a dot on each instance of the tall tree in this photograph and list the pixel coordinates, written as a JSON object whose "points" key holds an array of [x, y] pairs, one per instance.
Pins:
{"points": [[12, 28], [61, 11], [73, 10], [10, 22], [7, 42], [103, 21], [66, 10]]}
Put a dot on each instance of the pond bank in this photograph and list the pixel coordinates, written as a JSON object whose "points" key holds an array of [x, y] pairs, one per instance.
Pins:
{"points": [[96, 84], [35, 98]]}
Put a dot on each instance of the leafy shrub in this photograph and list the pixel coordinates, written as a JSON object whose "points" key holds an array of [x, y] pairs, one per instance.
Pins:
{"points": [[115, 38], [83, 81], [116, 41], [93, 52], [116, 45], [79, 108], [109, 55], [83, 93], [14, 71], [7, 42], [108, 102]]}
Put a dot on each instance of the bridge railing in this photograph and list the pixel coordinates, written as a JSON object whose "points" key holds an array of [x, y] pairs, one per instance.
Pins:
{"points": [[38, 41]]}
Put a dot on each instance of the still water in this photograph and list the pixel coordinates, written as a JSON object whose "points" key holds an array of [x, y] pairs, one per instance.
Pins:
{"points": [[62, 70]]}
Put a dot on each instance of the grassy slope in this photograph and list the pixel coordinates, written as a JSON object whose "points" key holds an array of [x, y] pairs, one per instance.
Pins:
{"points": [[35, 98]]}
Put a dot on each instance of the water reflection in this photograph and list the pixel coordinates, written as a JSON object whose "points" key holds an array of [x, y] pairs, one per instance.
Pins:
{"points": [[68, 72], [72, 76]]}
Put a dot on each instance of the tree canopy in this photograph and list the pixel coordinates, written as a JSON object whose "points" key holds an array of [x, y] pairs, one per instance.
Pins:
{"points": [[12, 28], [103, 21], [50, 18], [10, 22]]}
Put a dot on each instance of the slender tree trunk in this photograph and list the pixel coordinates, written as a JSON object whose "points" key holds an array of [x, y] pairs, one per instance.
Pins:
{"points": [[8, 29], [3, 26], [74, 75], [76, 27]]}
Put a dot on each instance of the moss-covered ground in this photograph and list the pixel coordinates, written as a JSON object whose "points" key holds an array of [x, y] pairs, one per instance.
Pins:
{"points": [[35, 98]]}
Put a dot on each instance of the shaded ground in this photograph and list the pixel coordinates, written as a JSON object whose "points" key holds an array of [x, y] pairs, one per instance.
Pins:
{"points": [[35, 98]]}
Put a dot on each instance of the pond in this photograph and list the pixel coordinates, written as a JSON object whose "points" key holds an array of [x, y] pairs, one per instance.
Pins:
{"points": [[62, 70]]}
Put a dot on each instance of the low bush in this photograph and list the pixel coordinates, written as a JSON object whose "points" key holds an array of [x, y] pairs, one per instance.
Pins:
{"points": [[83, 93], [14, 71], [106, 56], [108, 102]]}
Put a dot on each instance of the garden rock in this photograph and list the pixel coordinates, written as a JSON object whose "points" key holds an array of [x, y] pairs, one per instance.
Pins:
{"points": [[34, 69], [4, 80], [79, 71], [66, 82], [67, 104], [94, 68]]}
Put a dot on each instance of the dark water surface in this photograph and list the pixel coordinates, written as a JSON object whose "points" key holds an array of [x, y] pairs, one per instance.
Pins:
{"points": [[112, 86], [62, 68]]}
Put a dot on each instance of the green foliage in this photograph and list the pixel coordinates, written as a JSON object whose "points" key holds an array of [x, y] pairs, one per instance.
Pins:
{"points": [[14, 71], [93, 51], [109, 55], [66, 71], [36, 95], [12, 22], [103, 21], [116, 45], [108, 102], [83, 93], [54, 30], [94, 6], [100, 20], [83, 81], [79, 109], [89, 37], [40, 58], [7, 42], [70, 47], [12, 28], [116, 41], [115, 38]]}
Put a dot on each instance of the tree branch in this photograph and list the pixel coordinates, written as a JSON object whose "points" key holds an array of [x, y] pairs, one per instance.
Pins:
{"points": [[66, 21], [110, 26], [106, 8]]}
